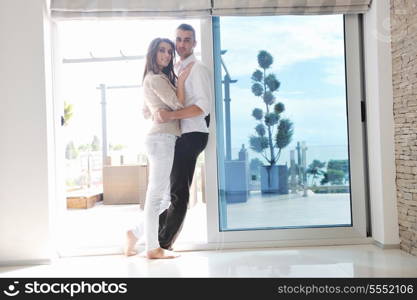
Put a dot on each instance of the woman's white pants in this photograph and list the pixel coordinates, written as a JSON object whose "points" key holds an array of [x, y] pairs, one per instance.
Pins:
{"points": [[160, 149]]}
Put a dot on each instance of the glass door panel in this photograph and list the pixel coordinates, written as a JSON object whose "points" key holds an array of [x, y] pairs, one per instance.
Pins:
{"points": [[282, 122]]}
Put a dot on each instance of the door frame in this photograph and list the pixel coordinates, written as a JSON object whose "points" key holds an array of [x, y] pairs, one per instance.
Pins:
{"points": [[355, 234]]}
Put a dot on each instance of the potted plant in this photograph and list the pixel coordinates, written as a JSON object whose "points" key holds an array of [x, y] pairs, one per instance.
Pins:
{"points": [[273, 133]]}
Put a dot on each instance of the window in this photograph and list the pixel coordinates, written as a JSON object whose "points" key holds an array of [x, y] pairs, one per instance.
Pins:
{"points": [[282, 122]]}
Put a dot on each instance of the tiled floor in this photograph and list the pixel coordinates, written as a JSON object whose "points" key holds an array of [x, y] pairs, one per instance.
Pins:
{"points": [[328, 261]]}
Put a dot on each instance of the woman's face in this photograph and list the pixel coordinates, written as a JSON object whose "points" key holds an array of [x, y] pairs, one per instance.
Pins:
{"points": [[164, 55]]}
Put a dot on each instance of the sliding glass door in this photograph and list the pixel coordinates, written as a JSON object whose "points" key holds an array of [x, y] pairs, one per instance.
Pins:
{"points": [[288, 140], [285, 157]]}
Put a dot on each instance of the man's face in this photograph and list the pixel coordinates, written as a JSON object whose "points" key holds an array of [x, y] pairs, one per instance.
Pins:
{"points": [[184, 43]]}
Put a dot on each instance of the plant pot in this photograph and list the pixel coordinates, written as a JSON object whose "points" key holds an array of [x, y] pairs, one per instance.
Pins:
{"points": [[274, 179]]}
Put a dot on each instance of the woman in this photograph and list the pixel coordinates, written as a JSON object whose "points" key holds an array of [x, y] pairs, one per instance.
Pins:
{"points": [[162, 90]]}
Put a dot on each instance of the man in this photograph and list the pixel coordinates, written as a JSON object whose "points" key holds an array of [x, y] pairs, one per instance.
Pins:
{"points": [[194, 128]]}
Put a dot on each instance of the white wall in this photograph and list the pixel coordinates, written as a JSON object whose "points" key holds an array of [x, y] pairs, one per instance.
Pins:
{"points": [[26, 177], [380, 124]]}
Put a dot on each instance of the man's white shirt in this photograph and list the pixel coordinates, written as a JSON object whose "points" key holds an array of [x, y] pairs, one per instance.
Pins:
{"points": [[198, 91]]}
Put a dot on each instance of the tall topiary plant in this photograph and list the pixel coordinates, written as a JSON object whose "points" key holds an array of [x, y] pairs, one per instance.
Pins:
{"points": [[272, 133]]}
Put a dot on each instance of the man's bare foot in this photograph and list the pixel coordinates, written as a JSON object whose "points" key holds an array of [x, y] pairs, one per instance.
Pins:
{"points": [[131, 240], [160, 253]]}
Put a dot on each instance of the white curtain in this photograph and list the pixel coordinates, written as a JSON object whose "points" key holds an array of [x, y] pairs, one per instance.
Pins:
{"points": [[288, 7], [198, 8], [129, 8]]}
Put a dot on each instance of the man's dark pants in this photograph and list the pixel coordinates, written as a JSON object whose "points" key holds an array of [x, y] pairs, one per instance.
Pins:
{"points": [[187, 149]]}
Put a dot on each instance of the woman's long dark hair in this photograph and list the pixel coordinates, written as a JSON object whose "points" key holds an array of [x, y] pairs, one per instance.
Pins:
{"points": [[151, 64]]}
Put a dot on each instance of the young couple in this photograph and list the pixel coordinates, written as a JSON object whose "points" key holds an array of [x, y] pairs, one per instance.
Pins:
{"points": [[179, 108]]}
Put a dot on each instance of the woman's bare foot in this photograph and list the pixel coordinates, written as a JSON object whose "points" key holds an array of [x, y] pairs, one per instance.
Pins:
{"points": [[160, 253], [131, 240]]}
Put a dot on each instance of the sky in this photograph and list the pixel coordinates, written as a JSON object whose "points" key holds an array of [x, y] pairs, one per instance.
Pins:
{"points": [[308, 56]]}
